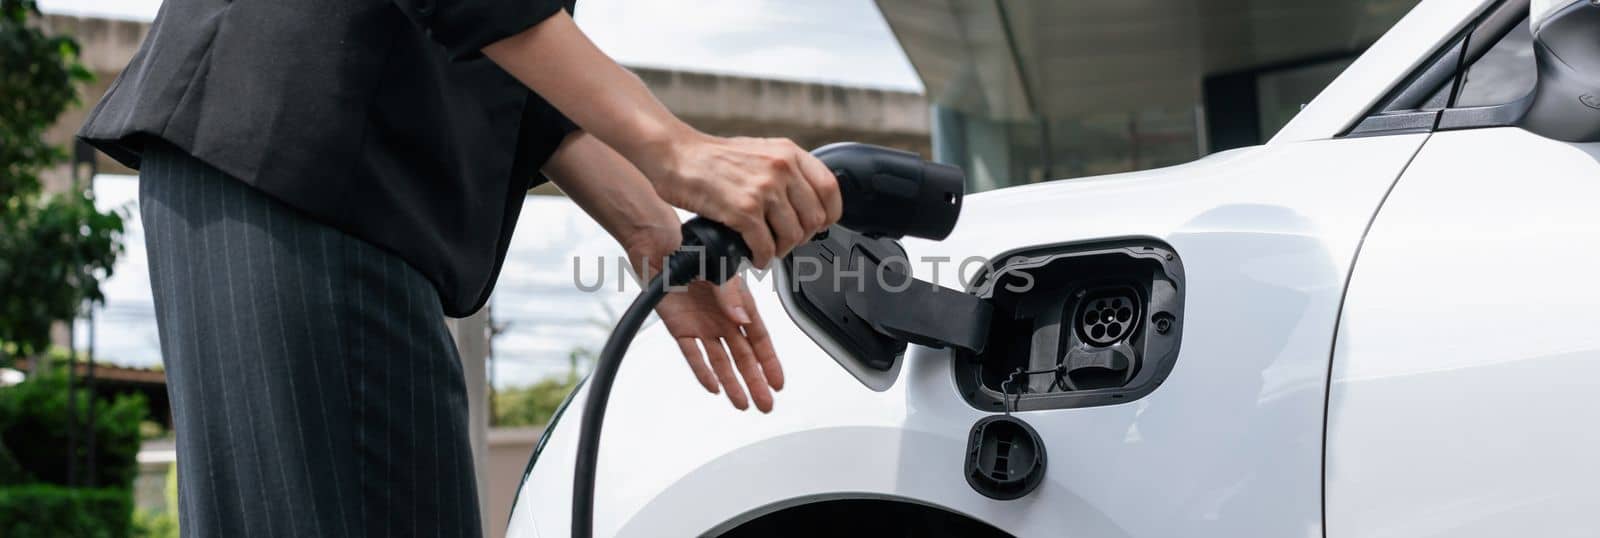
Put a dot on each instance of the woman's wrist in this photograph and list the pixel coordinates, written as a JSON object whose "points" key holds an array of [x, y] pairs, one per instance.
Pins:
{"points": [[659, 148], [613, 191], [556, 60], [647, 245]]}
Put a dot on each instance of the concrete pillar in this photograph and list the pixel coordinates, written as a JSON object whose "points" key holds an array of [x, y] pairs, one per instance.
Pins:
{"points": [[472, 342]]}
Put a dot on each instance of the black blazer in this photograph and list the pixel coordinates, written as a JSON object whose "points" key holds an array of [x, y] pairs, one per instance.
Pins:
{"points": [[377, 117]]}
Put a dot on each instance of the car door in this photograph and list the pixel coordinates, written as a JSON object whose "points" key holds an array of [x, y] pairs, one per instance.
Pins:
{"points": [[1463, 391]]}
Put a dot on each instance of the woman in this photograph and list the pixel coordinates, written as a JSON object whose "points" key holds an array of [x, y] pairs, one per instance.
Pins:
{"points": [[323, 181]]}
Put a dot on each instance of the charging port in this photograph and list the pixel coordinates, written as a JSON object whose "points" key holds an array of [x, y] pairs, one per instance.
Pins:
{"points": [[1076, 326]]}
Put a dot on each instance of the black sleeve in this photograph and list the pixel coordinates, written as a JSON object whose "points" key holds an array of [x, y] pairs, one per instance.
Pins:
{"points": [[543, 129], [465, 27]]}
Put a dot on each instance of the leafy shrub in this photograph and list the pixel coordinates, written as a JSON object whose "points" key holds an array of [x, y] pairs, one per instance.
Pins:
{"points": [[531, 405], [33, 433], [49, 511]]}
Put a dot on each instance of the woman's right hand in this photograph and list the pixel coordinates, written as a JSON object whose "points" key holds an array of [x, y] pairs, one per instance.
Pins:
{"points": [[769, 190], [772, 192]]}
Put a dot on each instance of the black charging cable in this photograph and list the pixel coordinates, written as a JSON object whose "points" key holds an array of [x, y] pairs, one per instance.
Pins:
{"points": [[710, 251], [594, 407]]}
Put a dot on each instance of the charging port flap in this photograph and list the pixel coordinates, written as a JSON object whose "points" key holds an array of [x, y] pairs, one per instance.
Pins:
{"points": [[855, 296]]}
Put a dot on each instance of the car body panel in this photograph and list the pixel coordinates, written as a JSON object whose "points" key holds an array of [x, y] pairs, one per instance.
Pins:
{"points": [[1230, 445], [1468, 357]]}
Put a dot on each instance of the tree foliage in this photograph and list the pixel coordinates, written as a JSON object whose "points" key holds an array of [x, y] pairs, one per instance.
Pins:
{"points": [[55, 247], [34, 416], [51, 511], [533, 405]]}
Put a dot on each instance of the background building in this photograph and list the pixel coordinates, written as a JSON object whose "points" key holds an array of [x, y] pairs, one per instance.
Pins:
{"points": [[1031, 90]]}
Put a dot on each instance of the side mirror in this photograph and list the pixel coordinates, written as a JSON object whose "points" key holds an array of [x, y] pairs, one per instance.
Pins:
{"points": [[1565, 103]]}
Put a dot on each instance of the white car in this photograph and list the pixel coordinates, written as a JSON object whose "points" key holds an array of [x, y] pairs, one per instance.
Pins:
{"points": [[1379, 323]]}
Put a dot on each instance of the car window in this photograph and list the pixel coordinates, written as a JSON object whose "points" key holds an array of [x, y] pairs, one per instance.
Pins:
{"points": [[1504, 74], [1281, 93]]}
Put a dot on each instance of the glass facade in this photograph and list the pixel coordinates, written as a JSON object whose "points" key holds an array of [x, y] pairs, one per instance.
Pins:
{"points": [[1001, 153], [1036, 90]]}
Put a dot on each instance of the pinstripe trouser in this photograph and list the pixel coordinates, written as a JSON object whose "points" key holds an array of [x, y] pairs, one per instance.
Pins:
{"points": [[315, 389]]}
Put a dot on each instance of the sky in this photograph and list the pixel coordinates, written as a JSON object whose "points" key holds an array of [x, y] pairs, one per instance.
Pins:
{"points": [[836, 41]]}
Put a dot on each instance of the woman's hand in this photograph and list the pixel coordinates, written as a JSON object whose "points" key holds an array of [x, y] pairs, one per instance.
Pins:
{"points": [[721, 320], [724, 322], [775, 194]]}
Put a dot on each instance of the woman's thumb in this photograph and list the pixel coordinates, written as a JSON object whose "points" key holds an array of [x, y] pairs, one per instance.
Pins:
{"points": [[730, 295]]}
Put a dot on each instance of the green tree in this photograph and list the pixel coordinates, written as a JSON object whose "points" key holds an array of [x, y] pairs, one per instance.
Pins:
{"points": [[56, 247]]}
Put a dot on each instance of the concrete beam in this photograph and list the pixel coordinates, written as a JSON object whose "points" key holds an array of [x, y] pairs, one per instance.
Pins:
{"points": [[107, 44], [810, 113]]}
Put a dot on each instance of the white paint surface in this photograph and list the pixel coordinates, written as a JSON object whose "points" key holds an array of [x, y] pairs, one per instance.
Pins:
{"points": [[1464, 381]]}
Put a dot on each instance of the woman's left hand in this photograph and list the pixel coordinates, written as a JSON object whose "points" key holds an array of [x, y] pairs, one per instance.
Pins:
{"points": [[724, 322], [720, 320]]}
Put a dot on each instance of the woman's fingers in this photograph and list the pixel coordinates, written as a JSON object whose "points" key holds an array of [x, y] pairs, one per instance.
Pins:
{"points": [[750, 370], [747, 339], [731, 298], [804, 196], [761, 342], [786, 228], [773, 193], [752, 227], [697, 364], [826, 188], [724, 370]]}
